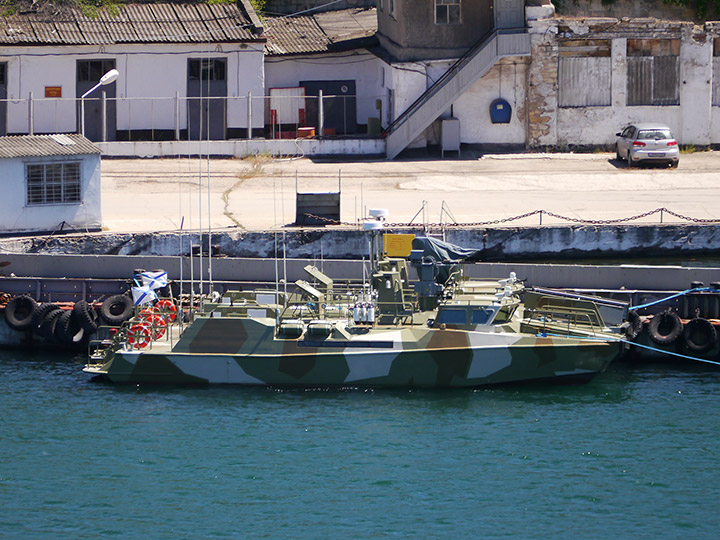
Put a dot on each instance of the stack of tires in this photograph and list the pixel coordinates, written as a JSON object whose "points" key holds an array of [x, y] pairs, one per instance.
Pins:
{"points": [[68, 323], [698, 335]]}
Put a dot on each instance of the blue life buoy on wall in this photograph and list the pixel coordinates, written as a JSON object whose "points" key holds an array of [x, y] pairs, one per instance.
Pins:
{"points": [[500, 111]]}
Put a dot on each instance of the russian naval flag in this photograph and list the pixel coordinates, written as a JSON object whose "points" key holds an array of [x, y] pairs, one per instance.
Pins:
{"points": [[156, 279], [143, 295]]}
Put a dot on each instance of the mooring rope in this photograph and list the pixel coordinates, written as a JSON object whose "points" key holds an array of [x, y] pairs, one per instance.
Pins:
{"points": [[620, 340], [683, 293]]}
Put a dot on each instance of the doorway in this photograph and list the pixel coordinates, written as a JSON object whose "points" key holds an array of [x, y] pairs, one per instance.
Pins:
{"points": [[339, 105], [207, 98], [89, 73]]}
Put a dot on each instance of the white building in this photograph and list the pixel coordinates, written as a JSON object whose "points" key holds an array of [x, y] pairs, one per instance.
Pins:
{"points": [[49, 183], [185, 71], [327, 52]]}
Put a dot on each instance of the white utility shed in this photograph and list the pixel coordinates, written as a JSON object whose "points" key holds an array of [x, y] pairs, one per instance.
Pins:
{"points": [[49, 182]]}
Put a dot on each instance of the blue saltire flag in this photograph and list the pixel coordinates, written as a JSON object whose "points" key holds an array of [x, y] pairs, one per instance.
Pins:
{"points": [[143, 295], [155, 280]]}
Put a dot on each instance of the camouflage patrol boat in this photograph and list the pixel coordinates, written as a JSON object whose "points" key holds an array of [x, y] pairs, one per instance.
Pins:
{"points": [[460, 334]]}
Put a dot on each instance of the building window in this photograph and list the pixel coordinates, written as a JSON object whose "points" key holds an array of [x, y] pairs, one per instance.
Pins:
{"points": [[3, 71], [53, 183], [206, 69], [391, 7], [653, 72], [93, 70], [447, 11], [584, 73]]}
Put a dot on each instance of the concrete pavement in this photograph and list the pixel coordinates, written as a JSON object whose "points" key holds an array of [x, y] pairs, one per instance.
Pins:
{"points": [[259, 193]]}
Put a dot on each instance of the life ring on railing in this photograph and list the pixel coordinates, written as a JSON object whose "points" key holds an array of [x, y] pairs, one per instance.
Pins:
{"points": [[139, 335], [665, 327], [700, 335], [167, 308], [157, 325], [634, 326]]}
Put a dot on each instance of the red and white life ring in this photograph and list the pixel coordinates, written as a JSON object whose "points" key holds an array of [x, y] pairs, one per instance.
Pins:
{"points": [[139, 335], [158, 326], [168, 308]]}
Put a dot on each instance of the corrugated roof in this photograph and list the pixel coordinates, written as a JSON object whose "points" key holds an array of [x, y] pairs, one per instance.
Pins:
{"points": [[71, 144], [320, 32], [294, 36], [134, 23]]}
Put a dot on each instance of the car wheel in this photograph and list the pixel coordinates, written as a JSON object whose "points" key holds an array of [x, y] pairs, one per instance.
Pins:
{"points": [[674, 164]]}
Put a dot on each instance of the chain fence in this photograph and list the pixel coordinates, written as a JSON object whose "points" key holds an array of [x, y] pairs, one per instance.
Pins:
{"points": [[539, 213]]}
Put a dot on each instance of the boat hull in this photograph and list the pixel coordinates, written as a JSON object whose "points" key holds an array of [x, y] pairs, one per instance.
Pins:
{"points": [[502, 359]]}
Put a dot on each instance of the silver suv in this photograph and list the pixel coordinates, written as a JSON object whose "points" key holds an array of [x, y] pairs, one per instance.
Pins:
{"points": [[647, 143]]}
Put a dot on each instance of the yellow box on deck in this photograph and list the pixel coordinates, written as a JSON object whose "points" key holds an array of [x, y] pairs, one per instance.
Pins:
{"points": [[397, 245]]}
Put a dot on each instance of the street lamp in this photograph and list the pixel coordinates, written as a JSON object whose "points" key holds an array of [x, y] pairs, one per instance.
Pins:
{"points": [[108, 78]]}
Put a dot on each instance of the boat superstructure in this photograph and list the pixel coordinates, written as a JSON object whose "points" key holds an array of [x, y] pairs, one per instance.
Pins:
{"points": [[388, 333]]}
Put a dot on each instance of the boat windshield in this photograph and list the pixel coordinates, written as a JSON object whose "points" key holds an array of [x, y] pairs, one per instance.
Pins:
{"points": [[483, 315], [478, 315], [452, 316], [505, 313]]}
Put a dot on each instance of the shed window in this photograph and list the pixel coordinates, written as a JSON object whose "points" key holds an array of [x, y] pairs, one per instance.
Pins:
{"points": [[447, 12], [53, 183], [653, 72]]}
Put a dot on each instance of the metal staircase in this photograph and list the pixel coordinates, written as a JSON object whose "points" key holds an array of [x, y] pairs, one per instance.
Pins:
{"points": [[448, 88]]}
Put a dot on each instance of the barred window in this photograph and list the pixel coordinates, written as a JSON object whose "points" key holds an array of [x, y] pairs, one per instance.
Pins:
{"points": [[53, 183], [447, 12]]}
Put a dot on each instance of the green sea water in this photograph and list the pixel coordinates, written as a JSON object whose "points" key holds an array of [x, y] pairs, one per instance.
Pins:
{"points": [[634, 454]]}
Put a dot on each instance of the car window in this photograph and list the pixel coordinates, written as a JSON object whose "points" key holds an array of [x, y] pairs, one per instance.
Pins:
{"points": [[626, 132], [655, 134]]}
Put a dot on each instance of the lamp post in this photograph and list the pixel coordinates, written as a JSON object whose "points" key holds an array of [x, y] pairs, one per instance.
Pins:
{"points": [[108, 78]]}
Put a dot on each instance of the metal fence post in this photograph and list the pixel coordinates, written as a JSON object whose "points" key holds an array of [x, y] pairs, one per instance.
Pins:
{"points": [[177, 115], [249, 115], [321, 114], [31, 115], [82, 116], [103, 109]]}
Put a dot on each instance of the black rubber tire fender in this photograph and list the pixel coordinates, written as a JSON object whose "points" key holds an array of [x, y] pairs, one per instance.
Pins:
{"points": [[67, 328], [116, 309], [699, 335], [665, 328], [634, 326], [47, 326], [86, 316], [41, 311], [19, 312]]}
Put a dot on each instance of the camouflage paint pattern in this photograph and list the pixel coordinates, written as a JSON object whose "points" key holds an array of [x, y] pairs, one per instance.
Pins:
{"points": [[246, 351]]}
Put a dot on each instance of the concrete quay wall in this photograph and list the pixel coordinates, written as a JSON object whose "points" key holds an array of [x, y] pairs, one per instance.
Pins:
{"points": [[496, 244]]}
